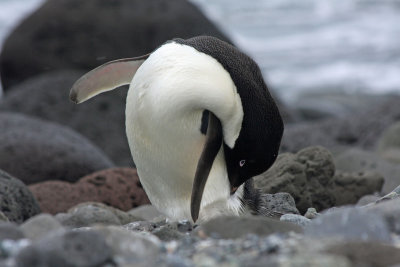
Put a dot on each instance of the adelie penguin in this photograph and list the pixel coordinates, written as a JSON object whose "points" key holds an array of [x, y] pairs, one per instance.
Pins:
{"points": [[200, 123]]}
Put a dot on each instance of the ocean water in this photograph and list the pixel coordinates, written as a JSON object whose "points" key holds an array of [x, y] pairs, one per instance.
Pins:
{"points": [[301, 46]]}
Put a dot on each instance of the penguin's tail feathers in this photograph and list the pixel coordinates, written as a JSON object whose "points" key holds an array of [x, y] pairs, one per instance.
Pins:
{"points": [[105, 78]]}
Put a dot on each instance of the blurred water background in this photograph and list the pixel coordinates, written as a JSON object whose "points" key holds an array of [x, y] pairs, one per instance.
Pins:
{"points": [[303, 46]]}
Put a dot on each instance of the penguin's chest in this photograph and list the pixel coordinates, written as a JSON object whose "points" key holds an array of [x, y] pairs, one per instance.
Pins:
{"points": [[166, 143]]}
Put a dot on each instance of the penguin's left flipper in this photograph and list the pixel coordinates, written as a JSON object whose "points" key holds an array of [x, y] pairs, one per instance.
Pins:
{"points": [[211, 147], [105, 78]]}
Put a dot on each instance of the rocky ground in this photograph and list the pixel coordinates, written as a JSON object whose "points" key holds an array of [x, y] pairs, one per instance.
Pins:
{"points": [[70, 197]]}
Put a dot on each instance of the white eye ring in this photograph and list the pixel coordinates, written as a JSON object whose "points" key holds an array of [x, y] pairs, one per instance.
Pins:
{"points": [[242, 162]]}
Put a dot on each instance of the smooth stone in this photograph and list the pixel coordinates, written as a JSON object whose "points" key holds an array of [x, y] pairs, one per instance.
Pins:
{"points": [[304, 260], [349, 187], [390, 210], [388, 145], [86, 34], [229, 227], [356, 160], [116, 187], [367, 199], [296, 219], [122, 216], [34, 150], [323, 104], [128, 245], [93, 119], [350, 223], [10, 231], [71, 248], [167, 233], [367, 253], [357, 130], [146, 212], [16, 201], [311, 213], [40, 225], [87, 215]]}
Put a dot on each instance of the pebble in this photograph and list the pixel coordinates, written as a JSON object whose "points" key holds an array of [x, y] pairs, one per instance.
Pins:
{"points": [[10, 231], [311, 213], [296, 219], [40, 225], [236, 227]]}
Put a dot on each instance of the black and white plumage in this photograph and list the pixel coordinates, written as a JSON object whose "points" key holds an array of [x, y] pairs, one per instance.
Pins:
{"points": [[200, 122]]}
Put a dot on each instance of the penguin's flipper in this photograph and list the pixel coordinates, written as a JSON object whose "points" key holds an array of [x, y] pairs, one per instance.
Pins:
{"points": [[105, 78], [211, 147]]}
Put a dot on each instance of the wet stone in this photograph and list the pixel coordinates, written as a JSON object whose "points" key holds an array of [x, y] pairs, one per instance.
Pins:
{"points": [[71, 248]]}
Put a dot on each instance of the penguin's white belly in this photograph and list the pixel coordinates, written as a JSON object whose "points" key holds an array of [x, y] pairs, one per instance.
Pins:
{"points": [[166, 146], [165, 103]]}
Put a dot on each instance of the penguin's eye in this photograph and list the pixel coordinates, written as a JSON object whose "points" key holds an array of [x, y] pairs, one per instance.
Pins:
{"points": [[242, 162]]}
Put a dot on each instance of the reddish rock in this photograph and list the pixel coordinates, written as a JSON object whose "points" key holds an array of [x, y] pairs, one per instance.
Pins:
{"points": [[116, 187]]}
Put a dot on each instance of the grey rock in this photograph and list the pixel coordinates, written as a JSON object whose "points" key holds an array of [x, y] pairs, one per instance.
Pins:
{"points": [[123, 217], [359, 130], [367, 199], [367, 253], [146, 212], [236, 227], [390, 210], [71, 248], [40, 225], [50, 91], [141, 226], [305, 176], [277, 204], [322, 104], [127, 245], [296, 219], [34, 150], [86, 215], [392, 195], [349, 187], [16, 201], [311, 213], [388, 145], [167, 233], [10, 231], [311, 259], [351, 224], [88, 33], [3, 218], [356, 160]]}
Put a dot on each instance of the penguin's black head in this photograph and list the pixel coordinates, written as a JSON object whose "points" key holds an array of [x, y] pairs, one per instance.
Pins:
{"points": [[257, 146]]}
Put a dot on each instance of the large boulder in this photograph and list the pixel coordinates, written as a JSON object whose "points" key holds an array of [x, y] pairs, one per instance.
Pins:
{"points": [[310, 178], [16, 201], [34, 150], [116, 187], [84, 34], [101, 119], [360, 160]]}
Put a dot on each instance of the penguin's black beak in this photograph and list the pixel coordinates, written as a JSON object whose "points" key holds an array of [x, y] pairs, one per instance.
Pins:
{"points": [[211, 147]]}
